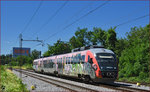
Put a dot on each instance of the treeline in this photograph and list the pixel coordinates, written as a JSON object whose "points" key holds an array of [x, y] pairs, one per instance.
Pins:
{"points": [[83, 37], [132, 51], [20, 60]]}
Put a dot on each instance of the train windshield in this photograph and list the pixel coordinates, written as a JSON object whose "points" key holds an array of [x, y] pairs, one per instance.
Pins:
{"points": [[105, 57]]}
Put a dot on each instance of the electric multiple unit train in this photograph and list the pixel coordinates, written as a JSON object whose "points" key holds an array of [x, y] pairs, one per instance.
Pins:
{"points": [[88, 63]]}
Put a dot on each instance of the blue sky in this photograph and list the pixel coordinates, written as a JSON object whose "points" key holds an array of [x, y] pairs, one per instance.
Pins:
{"points": [[16, 14]]}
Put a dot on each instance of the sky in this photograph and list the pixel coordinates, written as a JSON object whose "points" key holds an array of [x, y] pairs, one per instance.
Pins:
{"points": [[51, 17]]}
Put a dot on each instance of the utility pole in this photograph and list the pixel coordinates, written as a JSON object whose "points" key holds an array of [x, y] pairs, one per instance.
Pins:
{"points": [[20, 44]]}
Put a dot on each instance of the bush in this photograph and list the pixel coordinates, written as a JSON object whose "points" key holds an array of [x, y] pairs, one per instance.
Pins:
{"points": [[10, 82]]}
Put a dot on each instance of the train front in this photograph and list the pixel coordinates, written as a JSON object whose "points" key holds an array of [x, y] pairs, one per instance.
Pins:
{"points": [[108, 66]]}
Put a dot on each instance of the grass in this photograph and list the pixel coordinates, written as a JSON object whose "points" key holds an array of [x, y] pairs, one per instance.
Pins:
{"points": [[10, 82], [145, 81], [25, 66]]}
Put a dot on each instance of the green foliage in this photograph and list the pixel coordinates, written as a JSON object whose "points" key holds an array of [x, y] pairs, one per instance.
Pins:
{"points": [[59, 47], [79, 39], [10, 81], [111, 39], [27, 66], [132, 52], [5, 59], [134, 59], [35, 54], [97, 36]]}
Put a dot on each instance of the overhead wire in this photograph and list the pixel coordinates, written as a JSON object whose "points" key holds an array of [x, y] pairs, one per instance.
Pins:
{"points": [[122, 23], [78, 12], [32, 17], [50, 18], [101, 5], [37, 9], [128, 14], [91, 11], [132, 20]]}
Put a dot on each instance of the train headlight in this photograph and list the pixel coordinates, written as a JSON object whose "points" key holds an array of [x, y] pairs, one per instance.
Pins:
{"points": [[101, 67], [114, 67], [94, 55]]}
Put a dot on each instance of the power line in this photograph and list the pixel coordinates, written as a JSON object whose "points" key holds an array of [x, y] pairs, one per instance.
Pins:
{"points": [[133, 20], [50, 18], [128, 14], [39, 6], [78, 12], [86, 14], [79, 19], [117, 25]]}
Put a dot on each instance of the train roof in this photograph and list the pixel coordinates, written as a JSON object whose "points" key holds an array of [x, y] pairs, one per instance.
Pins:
{"points": [[93, 50], [101, 50]]}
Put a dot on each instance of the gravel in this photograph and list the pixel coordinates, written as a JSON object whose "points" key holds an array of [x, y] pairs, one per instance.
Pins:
{"points": [[97, 88], [43, 86], [40, 85]]}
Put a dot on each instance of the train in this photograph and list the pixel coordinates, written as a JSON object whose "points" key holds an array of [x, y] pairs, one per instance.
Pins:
{"points": [[87, 63]]}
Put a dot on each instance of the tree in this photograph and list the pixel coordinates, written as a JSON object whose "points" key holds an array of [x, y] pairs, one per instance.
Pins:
{"points": [[35, 54], [111, 39], [97, 36], [59, 47], [79, 39], [134, 59]]}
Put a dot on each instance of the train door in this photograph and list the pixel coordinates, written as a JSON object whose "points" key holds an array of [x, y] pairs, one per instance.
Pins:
{"points": [[89, 70], [64, 65], [55, 66]]}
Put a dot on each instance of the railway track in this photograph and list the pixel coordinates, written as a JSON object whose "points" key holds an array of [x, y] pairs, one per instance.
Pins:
{"points": [[57, 82], [124, 88], [94, 87]]}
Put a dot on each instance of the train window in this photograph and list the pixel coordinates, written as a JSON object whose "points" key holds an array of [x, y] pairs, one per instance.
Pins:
{"points": [[74, 60], [105, 57], [88, 58], [60, 59], [51, 65], [83, 57], [78, 58], [64, 60], [45, 63], [59, 65], [69, 61]]}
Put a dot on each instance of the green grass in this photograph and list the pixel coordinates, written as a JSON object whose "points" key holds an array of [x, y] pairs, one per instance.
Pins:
{"points": [[25, 66], [10, 82], [135, 80]]}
